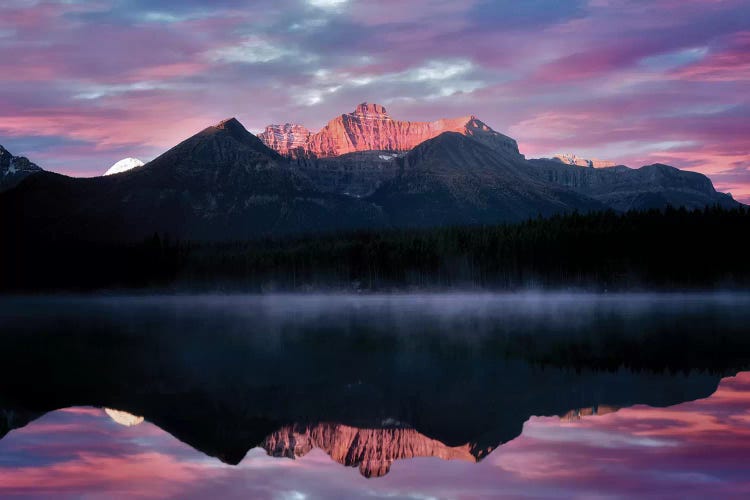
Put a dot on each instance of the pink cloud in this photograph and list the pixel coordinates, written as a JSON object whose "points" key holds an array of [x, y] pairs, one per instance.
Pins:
{"points": [[729, 64], [142, 474], [608, 81]]}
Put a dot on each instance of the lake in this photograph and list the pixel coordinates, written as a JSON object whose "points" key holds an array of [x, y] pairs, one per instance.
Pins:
{"points": [[377, 396]]}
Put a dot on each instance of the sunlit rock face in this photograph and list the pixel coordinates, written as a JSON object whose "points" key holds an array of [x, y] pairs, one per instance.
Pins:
{"points": [[123, 417], [288, 139], [371, 450], [580, 413], [370, 128], [124, 165], [571, 159]]}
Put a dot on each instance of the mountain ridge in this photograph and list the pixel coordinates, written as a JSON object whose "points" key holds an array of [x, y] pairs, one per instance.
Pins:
{"points": [[224, 183], [488, 188], [623, 188], [370, 127]]}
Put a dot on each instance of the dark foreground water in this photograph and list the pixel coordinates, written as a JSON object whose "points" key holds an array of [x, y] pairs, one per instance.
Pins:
{"points": [[435, 396]]}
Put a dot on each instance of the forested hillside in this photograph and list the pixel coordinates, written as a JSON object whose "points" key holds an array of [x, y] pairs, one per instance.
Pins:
{"points": [[671, 249]]}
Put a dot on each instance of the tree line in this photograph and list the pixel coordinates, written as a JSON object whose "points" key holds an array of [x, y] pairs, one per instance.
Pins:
{"points": [[657, 249]]}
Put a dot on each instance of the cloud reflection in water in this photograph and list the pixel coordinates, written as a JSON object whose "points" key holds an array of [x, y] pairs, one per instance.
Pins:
{"points": [[694, 449]]}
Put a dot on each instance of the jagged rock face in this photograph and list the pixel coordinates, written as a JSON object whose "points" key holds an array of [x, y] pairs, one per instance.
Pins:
{"points": [[572, 159], [14, 169], [288, 139], [370, 128], [371, 450], [581, 413]]}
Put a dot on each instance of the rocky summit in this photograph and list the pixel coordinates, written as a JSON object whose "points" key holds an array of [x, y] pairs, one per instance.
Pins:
{"points": [[288, 139], [369, 127], [372, 450]]}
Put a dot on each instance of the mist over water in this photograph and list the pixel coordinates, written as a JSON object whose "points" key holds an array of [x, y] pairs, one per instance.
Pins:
{"points": [[577, 330], [461, 315]]}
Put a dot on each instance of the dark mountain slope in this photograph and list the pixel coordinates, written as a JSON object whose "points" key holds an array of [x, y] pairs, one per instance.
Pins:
{"points": [[14, 169], [356, 174], [623, 188], [454, 179], [353, 155], [222, 183]]}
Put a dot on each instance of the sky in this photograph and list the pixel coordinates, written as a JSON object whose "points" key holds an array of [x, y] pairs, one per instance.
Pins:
{"points": [[693, 450], [88, 82]]}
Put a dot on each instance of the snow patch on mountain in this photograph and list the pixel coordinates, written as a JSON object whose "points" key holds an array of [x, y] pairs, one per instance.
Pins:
{"points": [[124, 165], [572, 159], [124, 418]]}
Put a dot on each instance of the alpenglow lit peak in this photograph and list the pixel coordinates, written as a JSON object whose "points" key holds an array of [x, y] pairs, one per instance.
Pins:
{"points": [[124, 165], [572, 159], [370, 128]]}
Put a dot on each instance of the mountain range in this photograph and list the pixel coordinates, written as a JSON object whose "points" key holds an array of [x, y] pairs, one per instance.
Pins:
{"points": [[362, 170], [370, 128]]}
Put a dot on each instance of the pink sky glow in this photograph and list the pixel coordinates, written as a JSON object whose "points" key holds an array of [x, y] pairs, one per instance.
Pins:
{"points": [[87, 83]]}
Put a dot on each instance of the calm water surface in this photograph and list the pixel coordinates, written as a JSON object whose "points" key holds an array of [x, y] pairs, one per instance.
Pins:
{"points": [[412, 396]]}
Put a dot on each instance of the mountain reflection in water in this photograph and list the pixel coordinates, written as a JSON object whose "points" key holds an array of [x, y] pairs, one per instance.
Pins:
{"points": [[542, 390], [696, 449]]}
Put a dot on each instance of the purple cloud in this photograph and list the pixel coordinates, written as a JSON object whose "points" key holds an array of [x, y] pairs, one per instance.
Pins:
{"points": [[635, 82]]}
